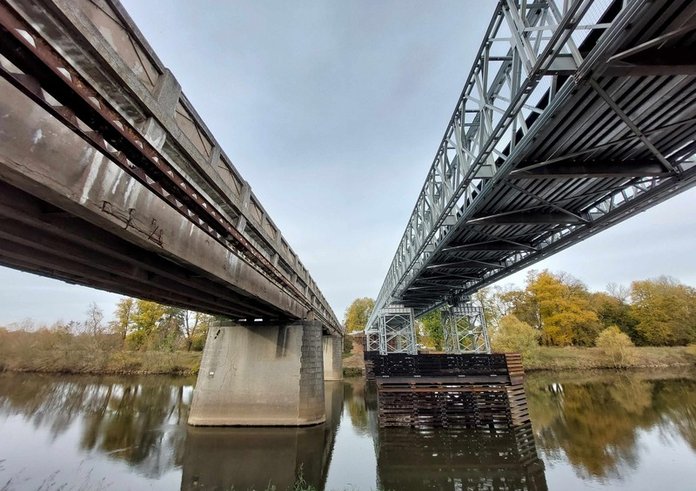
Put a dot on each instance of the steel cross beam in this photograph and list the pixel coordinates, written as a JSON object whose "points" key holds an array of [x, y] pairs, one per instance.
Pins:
{"points": [[542, 75]]}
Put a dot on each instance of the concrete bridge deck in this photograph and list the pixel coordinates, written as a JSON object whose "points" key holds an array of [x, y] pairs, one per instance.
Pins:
{"points": [[111, 179]]}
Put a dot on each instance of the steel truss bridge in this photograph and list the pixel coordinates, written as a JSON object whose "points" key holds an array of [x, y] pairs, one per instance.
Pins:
{"points": [[576, 115]]}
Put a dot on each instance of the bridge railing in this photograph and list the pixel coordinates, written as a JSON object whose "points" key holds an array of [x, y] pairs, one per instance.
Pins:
{"points": [[115, 60], [525, 42]]}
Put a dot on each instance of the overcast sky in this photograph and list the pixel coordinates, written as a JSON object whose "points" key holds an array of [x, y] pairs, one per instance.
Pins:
{"points": [[333, 110]]}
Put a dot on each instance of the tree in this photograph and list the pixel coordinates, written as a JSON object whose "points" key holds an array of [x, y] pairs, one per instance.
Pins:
{"points": [[566, 315], [194, 327], [146, 318], [93, 323], [357, 314], [665, 311], [616, 344], [522, 304], [125, 309], [558, 305], [613, 310], [491, 302], [433, 330], [515, 336]]}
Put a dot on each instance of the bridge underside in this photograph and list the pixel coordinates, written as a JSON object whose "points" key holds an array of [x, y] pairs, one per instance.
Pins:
{"points": [[40, 238], [575, 116], [69, 213], [94, 125]]}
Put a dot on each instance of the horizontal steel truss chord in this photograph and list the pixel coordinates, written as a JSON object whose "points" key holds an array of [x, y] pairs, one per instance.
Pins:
{"points": [[48, 79]]}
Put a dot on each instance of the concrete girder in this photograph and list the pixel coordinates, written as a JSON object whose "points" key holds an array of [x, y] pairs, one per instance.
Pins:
{"points": [[115, 93], [87, 184], [89, 249]]}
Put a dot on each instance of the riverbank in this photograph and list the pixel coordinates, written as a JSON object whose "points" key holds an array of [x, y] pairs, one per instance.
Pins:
{"points": [[188, 362], [103, 362], [571, 358]]}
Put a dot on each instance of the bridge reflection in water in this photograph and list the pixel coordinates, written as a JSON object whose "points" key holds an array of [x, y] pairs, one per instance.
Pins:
{"points": [[448, 459], [257, 458], [454, 460], [87, 432]]}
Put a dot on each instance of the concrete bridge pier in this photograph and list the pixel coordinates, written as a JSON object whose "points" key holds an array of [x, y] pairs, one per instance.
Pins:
{"points": [[333, 357], [265, 375]]}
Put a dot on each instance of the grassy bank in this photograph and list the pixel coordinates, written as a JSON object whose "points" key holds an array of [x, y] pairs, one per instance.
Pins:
{"points": [[187, 362], [103, 362], [571, 358]]}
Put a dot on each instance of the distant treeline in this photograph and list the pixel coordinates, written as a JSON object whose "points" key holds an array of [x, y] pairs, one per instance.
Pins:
{"points": [[556, 309], [95, 346]]}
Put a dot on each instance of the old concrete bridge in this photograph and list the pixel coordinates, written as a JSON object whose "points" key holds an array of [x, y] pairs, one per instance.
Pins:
{"points": [[109, 178]]}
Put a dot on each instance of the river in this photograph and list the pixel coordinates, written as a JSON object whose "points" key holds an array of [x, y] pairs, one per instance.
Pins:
{"points": [[599, 431]]}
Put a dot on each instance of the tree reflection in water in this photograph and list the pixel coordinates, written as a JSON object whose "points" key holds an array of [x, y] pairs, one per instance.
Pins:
{"points": [[594, 420], [137, 420]]}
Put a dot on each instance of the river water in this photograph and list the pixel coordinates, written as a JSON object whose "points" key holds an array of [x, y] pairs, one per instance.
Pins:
{"points": [[598, 431]]}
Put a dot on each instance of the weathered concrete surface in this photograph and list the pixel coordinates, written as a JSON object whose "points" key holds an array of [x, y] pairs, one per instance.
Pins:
{"points": [[104, 46], [261, 376], [333, 357], [42, 157]]}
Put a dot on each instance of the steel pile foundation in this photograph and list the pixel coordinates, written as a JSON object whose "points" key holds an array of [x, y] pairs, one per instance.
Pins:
{"points": [[449, 390]]}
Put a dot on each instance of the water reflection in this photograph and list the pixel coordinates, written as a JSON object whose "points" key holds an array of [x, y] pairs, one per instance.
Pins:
{"points": [[261, 458], [592, 430], [138, 421], [594, 420], [456, 460]]}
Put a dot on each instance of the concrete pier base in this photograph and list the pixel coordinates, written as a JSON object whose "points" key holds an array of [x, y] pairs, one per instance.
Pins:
{"points": [[333, 357], [260, 376]]}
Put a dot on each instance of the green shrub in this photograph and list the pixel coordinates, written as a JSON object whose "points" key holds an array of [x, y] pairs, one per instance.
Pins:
{"points": [[347, 345]]}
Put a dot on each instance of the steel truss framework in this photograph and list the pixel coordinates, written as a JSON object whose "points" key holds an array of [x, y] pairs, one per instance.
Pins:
{"points": [[396, 332], [576, 115], [465, 329]]}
